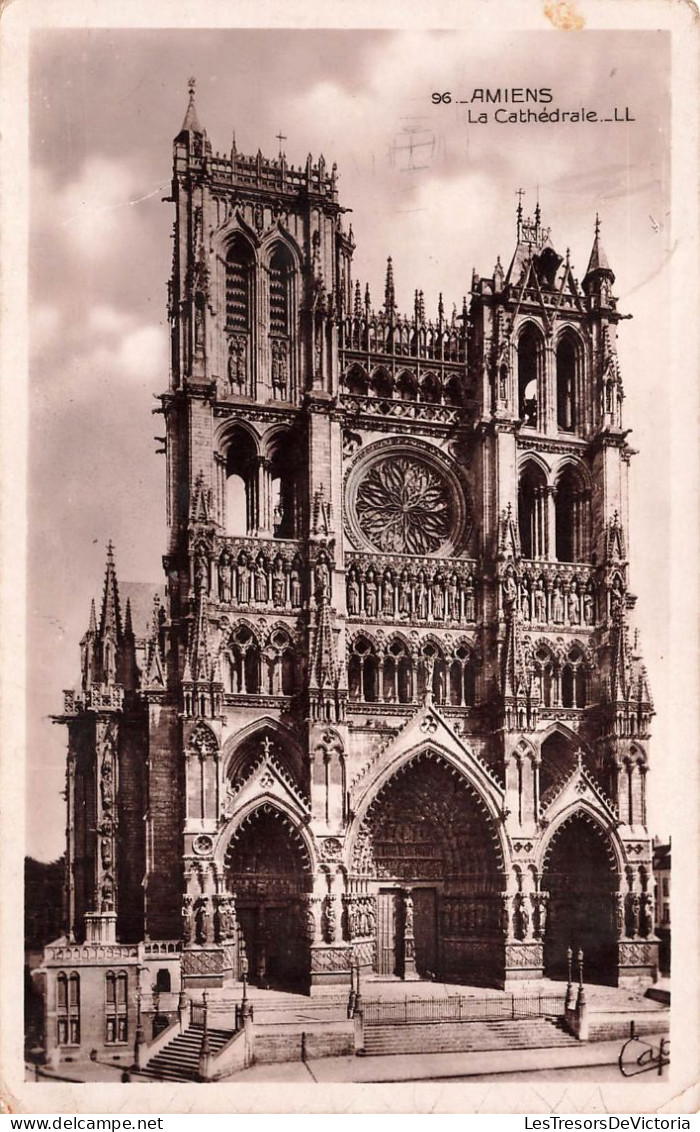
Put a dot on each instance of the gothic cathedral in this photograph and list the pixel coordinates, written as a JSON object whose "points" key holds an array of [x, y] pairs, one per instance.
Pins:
{"points": [[388, 714]]}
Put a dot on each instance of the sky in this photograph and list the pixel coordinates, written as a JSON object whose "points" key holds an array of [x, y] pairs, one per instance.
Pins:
{"points": [[425, 185]]}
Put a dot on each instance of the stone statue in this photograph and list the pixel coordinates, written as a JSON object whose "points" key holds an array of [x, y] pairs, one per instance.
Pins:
{"points": [[438, 599], [388, 594], [186, 920], [510, 593], [557, 605], [243, 572], [421, 597], [322, 575], [371, 595], [574, 615], [278, 585], [469, 601], [453, 598], [408, 913], [540, 603], [295, 588], [201, 572], [353, 594], [201, 920], [588, 608], [405, 594], [225, 577], [260, 581]]}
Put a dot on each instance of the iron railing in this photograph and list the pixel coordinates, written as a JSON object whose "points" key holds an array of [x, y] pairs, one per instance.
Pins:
{"points": [[456, 1008]]}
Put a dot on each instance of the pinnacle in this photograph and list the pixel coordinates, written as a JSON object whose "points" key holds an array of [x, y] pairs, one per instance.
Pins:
{"points": [[191, 121]]}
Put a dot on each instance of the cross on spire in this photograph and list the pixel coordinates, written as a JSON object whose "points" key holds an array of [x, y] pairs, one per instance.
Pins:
{"points": [[280, 138], [191, 84]]}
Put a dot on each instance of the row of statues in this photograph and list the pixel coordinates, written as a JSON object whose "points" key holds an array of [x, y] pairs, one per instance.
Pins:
{"points": [[421, 596], [250, 581], [208, 919], [561, 603]]}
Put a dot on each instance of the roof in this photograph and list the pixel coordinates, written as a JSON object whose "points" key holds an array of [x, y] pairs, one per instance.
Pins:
{"points": [[140, 596]]}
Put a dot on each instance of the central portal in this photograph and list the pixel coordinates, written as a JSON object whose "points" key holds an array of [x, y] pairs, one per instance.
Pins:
{"points": [[269, 874], [434, 854]]}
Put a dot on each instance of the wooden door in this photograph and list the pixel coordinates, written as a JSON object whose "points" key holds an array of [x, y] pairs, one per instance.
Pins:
{"points": [[425, 931], [387, 931]]}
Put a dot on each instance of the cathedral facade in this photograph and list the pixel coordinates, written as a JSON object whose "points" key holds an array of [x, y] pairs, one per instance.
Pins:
{"points": [[388, 714]]}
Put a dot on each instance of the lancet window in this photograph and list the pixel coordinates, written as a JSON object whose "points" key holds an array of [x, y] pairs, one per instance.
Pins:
{"points": [[567, 360], [241, 670], [571, 506], [532, 512], [529, 367]]}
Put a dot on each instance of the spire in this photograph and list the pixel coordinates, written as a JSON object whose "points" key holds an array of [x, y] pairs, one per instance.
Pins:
{"points": [[357, 310], [324, 667], [128, 625], [110, 616], [191, 123], [598, 263], [389, 292], [92, 623]]}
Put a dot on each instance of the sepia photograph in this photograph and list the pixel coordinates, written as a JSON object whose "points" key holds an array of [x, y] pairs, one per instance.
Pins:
{"points": [[350, 712]]}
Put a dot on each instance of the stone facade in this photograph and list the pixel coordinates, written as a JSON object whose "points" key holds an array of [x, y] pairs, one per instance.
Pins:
{"points": [[389, 713]]}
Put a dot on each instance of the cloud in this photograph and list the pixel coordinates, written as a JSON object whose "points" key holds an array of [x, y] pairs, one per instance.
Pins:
{"points": [[94, 212], [143, 355]]}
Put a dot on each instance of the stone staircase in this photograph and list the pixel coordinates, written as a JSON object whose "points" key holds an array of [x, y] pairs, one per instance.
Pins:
{"points": [[179, 1059], [453, 1037]]}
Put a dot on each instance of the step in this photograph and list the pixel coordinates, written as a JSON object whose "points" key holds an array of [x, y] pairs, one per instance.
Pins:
{"points": [[448, 1037]]}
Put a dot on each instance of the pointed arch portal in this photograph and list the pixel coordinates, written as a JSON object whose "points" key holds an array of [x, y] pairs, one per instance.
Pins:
{"points": [[581, 877], [435, 854], [269, 873]]}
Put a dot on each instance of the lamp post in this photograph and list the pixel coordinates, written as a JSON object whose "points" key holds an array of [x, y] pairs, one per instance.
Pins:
{"points": [[581, 1000], [245, 1005], [140, 1039], [569, 987]]}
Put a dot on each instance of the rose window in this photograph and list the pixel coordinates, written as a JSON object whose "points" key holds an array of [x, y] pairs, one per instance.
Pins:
{"points": [[403, 506]]}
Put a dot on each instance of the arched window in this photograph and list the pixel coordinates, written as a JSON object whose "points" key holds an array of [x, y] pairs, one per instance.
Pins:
{"points": [[454, 392], [545, 670], [286, 477], [356, 381], [567, 357], [406, 386], [242, 668], [430, 389], [462, 679], [381, 384], [279, 656], [241, 501], [558, 755], [532, 512], [240, 262], [571, 503], [529, 354], [363, 671], [281, 275], [397, 686], [573, 680]]}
